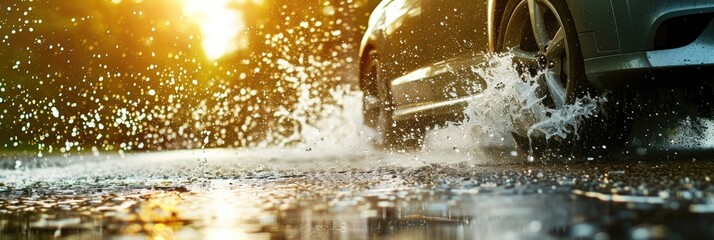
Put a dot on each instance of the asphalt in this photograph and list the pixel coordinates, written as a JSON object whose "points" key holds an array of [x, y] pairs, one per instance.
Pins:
{"points": [[436, 199]]}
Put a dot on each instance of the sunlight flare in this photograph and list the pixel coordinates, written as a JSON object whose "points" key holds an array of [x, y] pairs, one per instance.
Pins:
{"points": [[222, 27]]}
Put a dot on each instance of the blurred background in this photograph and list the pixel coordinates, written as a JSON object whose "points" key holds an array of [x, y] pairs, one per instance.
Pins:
{"points": [[137, 75]]}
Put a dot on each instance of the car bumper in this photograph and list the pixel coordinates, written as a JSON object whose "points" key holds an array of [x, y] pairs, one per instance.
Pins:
{"points": [[622, 69]]}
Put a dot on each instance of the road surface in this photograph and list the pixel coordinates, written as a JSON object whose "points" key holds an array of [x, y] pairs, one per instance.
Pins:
{"points": [[446, 193]]}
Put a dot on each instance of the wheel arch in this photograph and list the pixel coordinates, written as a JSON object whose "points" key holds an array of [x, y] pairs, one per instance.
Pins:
{"points": [[364, 58], [497, 9]]}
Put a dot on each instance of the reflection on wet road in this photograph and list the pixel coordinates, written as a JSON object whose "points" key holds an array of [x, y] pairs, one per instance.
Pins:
{"points": [[605, 200]]}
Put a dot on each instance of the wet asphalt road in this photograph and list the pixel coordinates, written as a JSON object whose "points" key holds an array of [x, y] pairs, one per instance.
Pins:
{"points": [[359, 199]]}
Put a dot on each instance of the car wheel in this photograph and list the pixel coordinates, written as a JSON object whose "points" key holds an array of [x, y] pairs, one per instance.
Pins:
{"points": [[379, 111], [370, 98], [541, 36]]}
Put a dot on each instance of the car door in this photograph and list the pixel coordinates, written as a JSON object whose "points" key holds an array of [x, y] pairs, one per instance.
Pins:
{"points": [[403, 37], [402, 31], [455, 36], [454, 28]]}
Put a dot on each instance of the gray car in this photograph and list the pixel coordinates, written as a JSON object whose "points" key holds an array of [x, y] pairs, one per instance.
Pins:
{"points": [[416, 55]]}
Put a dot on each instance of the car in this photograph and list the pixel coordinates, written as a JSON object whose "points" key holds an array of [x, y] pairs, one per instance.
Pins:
{"points": [[416, 56]]}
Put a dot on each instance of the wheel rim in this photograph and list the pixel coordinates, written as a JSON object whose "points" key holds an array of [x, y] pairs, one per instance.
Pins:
{"points": [[535, 35]]}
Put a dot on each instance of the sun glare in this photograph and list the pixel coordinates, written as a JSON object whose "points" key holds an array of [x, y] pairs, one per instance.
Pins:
{"points": [[222, 27]]}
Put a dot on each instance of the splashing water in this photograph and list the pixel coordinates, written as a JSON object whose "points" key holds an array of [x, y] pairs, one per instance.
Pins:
{"points": [[327, 124], [510, 103], [341, 123], [151, 79]]}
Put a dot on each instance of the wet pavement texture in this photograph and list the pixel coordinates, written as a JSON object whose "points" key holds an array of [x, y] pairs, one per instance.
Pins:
{"points": [[587, 200]]}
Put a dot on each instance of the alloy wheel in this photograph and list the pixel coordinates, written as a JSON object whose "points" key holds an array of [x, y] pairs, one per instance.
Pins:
{"points": [[536, 37]]}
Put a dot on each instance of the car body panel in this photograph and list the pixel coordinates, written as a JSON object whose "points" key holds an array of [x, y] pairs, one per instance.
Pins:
{"points": [[400, 52], [446, 67], [630, 68], [444, 82], [595, 23], [641, 19], [617, 42], [454, 28], [423, 61]]}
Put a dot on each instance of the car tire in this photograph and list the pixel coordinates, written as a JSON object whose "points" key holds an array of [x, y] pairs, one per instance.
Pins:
{"points": [[554, 39], [379, 111]]}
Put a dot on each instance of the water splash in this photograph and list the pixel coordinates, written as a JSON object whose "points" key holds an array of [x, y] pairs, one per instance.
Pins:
{"points": [[511, 103], [144, 85], [325, 124]]}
